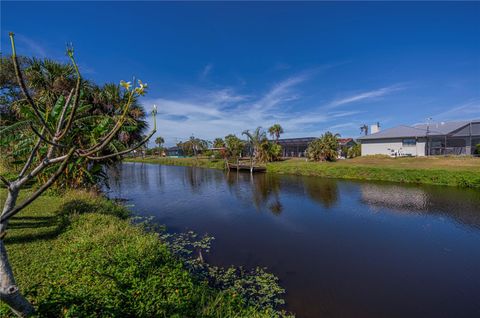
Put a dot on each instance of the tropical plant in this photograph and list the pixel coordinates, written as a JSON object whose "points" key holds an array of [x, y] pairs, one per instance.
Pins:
{"points": [[324, 148], [275, 131], [59, 143], [256, 139], [270, 151], [354, 151], [364, 129], [193, 146], [50, 82], [159, 141], [234, 145], [218, 143]]}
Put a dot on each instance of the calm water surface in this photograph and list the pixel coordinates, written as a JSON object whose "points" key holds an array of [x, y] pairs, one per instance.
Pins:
{"points": [[340, 248]]}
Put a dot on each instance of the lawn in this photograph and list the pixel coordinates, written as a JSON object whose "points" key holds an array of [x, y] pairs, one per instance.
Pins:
{"points": [[450, 171]]}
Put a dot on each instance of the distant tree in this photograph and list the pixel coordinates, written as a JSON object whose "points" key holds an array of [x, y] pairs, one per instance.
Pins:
{"points": [[275, 131], [218, 143], [324, 148], [159, 141], [234, 146], [256, 139], [193, 146], [364, 129]]}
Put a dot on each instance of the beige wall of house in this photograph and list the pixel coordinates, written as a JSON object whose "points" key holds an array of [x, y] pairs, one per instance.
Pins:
{"points": [[405, 146]]}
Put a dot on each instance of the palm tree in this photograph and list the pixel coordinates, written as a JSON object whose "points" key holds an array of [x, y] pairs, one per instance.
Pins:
{"points": [[256, 139], [218, 143], [364, 129], [159, 141], [324, 148], [275, 131]]}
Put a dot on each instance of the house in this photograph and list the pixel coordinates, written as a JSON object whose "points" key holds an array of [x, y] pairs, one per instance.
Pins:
{"points": [[445, 138], [174, 152], [296, 147], [346, 142]]}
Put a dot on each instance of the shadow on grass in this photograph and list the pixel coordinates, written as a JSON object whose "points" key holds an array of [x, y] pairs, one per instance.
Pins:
{"points": [[50, 227]]}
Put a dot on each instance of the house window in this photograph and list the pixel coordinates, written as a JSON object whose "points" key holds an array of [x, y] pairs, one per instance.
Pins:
{"points": [[409, 142]]}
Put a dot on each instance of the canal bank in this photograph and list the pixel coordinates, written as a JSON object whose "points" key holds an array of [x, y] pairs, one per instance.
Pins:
{"points": [[461, 172], [79, 255]]}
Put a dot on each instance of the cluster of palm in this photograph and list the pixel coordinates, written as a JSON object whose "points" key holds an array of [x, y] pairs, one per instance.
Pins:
{"points": [[262, 149], [50, 84], [324, 148], [193, 146]]}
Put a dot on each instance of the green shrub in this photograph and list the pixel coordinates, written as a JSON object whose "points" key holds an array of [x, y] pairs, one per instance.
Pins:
{"points": [[477, 149], [354, 151]]}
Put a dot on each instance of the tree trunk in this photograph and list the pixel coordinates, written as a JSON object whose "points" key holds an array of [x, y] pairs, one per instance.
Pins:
{"points": [[9, 292]]}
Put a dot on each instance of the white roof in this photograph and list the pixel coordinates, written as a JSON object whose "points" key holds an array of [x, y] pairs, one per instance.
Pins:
{"points": [[419, 130]]}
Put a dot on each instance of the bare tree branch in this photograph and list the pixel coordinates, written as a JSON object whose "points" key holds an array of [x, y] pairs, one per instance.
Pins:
{"points": [[30, 158], [23, 87], [45, 139], [76, 98], [40, 190], [124, 151], [62, 115], [45, 162], [5, 181]]}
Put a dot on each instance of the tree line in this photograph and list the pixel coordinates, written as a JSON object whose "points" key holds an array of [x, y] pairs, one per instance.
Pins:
{"points": [[258, 146]]}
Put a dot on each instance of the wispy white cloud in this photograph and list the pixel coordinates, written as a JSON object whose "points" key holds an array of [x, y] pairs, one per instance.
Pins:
{"points": [[467, 110], [30, 46], [207, 69], [218, 112], [368, 95]]}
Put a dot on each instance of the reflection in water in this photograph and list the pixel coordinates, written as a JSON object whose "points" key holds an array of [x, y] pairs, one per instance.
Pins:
{"points": [[265, 190], [323, 191], [334, 256], [395, 197], [425, 200]]}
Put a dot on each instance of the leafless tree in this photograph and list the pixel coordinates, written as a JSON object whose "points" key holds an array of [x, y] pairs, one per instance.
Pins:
{"points": [[59, 139]]}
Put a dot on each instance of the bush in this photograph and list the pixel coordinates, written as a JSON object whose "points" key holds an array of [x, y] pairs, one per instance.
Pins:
{"points": [[324, 148], [477, 149], [354, 151]]}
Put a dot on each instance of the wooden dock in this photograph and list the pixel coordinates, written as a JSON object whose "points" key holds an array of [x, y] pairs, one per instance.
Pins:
{"points": [[246, 167]]}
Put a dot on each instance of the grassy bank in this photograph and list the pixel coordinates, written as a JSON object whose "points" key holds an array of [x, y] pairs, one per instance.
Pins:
{"points": [[449, 171], [191, 162], [80, 256], [404, 170]]}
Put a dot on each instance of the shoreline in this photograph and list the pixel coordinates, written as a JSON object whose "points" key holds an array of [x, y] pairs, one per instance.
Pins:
{"points": [[450, 171], [71, 252]]}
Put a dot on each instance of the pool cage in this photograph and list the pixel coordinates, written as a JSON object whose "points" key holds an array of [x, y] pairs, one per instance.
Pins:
{"points": [[295, 147]]}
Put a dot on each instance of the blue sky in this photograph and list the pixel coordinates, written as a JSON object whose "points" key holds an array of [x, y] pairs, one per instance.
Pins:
{"points": [[217, 68]]}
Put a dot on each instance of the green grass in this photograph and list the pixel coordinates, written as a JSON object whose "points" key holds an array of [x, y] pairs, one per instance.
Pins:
{"points": [[438, 171], [80, 256], [191, 162], [448, 171]]}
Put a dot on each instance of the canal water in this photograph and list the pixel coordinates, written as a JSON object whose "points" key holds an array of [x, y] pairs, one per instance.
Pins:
{"points": [[340, 248]]}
